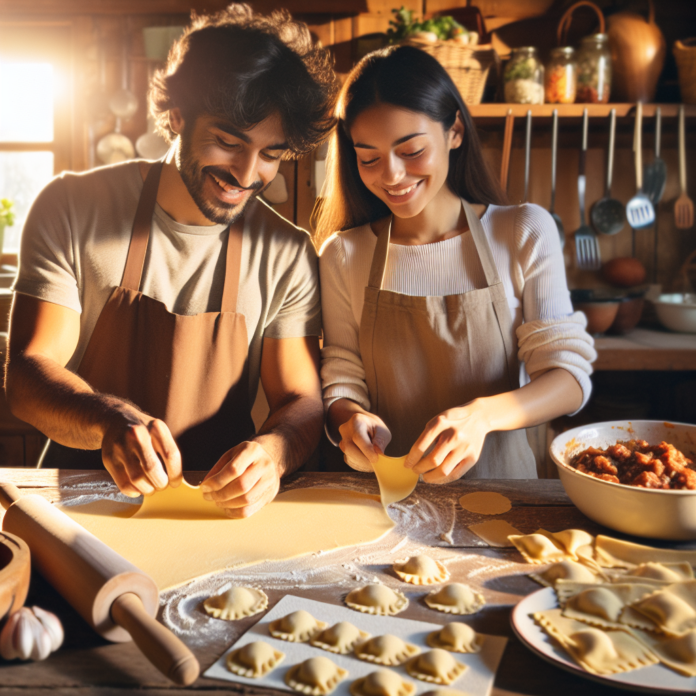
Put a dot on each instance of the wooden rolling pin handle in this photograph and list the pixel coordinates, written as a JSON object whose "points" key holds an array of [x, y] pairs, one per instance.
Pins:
{"points": [[9, 493], [164, 650]]}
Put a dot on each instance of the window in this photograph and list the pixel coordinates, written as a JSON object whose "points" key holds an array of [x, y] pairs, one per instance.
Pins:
{"points": [[34, 114]]}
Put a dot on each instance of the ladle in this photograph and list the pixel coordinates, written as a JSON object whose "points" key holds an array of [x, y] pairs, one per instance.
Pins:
{"points": [[655, 176], [607, 213], [554, 151]]}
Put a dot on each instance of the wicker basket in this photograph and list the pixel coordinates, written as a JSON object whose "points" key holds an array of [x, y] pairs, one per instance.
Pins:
{"points": [[467, 66], [685, 55]]}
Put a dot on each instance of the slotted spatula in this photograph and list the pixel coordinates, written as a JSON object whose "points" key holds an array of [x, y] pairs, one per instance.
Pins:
{"points": [[639, 210], [586, 244], [684, 206]]}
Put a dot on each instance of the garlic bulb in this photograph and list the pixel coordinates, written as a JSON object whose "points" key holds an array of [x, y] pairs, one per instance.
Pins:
{"points": [[30, 634]]}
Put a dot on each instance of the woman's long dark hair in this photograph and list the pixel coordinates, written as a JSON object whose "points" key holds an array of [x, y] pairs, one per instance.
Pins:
{"points": [[411, 79]]}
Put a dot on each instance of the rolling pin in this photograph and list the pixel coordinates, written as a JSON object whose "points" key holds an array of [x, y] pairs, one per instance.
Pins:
{"points": [[117, 599]]}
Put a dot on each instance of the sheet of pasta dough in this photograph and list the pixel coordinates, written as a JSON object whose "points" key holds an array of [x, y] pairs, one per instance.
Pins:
{"points": [[177, 535]]}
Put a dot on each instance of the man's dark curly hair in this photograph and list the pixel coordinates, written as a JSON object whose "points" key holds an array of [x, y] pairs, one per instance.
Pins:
{"points": [[244, 67]]}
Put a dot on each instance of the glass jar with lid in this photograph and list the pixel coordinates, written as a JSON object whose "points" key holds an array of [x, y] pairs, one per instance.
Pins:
{"points": [[594, 70], [524, 77], [560, 79]]}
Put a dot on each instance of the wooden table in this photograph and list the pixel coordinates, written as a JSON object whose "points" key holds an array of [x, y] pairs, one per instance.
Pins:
{"points": [[87, 664]]}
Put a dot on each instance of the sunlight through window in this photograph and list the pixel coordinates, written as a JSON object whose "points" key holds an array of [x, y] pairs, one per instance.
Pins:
{"points": [[26, 106]]}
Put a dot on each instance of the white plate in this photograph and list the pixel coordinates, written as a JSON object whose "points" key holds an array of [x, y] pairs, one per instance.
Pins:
{"points": [[656, 679]]}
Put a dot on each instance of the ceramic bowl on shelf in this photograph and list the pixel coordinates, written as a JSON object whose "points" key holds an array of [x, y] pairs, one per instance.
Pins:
{"points": [[15, 568], [600, 314], [643, 512], [677, 312]]}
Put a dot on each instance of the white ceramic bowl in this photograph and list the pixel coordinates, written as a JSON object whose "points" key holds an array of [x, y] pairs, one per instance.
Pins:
{"points": [[677, 312], [657, 514]]}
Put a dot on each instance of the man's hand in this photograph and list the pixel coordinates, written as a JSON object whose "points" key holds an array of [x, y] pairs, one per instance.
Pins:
{"points": [[140, 453], [244, 480]]}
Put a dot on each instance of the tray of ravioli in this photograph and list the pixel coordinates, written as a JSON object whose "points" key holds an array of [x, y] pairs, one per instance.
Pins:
{"points": [[614, 611], [315, 648]]}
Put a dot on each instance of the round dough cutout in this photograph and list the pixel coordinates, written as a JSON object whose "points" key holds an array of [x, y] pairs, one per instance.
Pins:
{"points": [[485, 503]]}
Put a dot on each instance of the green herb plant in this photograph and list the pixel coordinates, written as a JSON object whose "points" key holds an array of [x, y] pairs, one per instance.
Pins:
{"points": [[403, 26], [7, 217]]}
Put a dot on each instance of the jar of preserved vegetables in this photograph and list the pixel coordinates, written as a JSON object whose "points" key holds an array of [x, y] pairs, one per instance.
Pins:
{"points": [[594, 70], [524, 77], [560, 80]]}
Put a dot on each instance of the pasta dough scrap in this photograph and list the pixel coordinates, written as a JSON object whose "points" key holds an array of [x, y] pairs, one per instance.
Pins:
{"points": [[671, 609], [456, 637], [340, 638], [387, 650], [254, 660], [316, 676], [421, 570], [236, 603], [566, 570], [599, 605], [616, 553], [455, 598], [677, 653], [435, 666], [486, 503], [597, 651], [377, 599], [495, 532], [382, 682], [396, 482], [296, 627]]}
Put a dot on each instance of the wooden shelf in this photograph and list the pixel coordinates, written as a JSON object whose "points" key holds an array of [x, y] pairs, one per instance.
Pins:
{"points": [[576, 110], [646, 349]]}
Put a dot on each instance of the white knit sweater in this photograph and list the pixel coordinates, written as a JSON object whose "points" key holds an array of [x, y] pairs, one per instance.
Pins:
{"points": [[527, 253]]}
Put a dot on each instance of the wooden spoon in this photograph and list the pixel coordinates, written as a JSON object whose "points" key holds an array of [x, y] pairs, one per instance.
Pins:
{"points": [[507, 148], [684, 206]]}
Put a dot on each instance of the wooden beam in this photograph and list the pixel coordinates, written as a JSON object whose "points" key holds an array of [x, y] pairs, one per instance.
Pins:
{"points": [[168, 7]]}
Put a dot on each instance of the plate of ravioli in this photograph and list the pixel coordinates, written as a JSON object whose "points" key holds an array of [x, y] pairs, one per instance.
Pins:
{"points": [[636, 658]]}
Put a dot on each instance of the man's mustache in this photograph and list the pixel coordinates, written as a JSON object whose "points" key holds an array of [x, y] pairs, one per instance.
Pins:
{"points": [[225, 176]]}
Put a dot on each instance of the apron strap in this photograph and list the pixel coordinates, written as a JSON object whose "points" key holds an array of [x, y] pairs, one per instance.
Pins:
{"points": [[481, 243], [233, 262], [379, 258], [500, 303], [141, 229]]}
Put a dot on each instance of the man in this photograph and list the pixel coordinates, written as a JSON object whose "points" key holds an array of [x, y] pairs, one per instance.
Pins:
{"points": [[152, 296]]}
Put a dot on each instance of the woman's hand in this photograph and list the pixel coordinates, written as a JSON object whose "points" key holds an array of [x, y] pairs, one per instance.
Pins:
{"points": [[363, 437], [458, 434]]}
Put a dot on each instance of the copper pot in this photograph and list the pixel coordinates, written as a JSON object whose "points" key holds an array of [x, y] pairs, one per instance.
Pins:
{"points": [[638, 55]]}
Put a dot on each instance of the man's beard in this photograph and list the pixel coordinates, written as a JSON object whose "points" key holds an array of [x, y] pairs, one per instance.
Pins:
{"points": [[194, 177]]}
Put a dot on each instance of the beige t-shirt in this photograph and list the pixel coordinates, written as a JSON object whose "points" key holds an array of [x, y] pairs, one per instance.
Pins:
{"points": [[75, 243]]}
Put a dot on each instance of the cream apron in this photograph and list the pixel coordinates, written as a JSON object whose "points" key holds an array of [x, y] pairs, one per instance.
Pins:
{"points": [[423, 355], [189, 371]]}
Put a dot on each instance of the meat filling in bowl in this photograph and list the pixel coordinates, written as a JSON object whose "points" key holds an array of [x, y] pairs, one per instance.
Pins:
{"points": [[636, 463]]}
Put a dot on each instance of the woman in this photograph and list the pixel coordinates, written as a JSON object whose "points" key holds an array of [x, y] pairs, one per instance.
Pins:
{"points": [[434, 287]]}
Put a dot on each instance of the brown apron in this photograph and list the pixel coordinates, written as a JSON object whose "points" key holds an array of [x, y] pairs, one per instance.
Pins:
{"points": [[423, 355], [189, 371]]}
